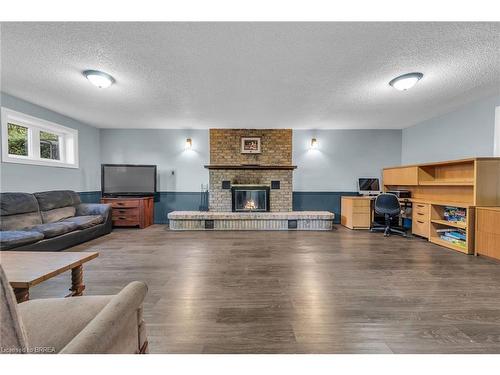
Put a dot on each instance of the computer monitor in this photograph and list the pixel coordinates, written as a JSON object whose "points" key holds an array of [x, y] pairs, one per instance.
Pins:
{"points": [[368, 186]]}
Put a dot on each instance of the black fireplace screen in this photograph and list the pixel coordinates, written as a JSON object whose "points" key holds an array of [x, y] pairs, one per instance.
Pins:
{"points": [[250, 198]]}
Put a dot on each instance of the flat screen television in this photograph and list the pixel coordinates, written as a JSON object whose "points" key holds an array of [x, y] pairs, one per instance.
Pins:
{"points": [[368, 186], [128, 180]]}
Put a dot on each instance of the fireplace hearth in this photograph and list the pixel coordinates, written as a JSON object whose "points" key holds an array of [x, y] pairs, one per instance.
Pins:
{"points": [[250, 198]]}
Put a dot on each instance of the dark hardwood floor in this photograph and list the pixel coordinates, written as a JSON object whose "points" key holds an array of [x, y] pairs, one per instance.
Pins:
{"points": [[298, 292]]}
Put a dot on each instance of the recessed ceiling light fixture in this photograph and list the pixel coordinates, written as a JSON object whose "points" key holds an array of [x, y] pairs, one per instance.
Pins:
{"points": [[99, 79], [406, 81]]}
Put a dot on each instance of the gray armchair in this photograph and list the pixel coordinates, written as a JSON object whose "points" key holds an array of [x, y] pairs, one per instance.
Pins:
{"points": [[75, 325]]}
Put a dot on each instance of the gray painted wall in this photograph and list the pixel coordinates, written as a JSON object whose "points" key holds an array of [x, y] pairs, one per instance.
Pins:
{"points": [[342, 157], [466, 132], [32, 178], [165, 148]]}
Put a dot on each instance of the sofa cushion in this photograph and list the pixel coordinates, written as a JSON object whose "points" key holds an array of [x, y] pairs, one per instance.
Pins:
{"points": [[62, 318], [20, 221], [48, 200], [58, 214], [10, 239], [84, 222], [17, 203], [50, 230]]}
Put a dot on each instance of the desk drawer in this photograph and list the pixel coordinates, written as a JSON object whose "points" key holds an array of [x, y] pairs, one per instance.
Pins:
{"points": [[361, 210], [420, 227], [421, 207], [362, 220], [361, 203], [421, 211], [421, 215]]}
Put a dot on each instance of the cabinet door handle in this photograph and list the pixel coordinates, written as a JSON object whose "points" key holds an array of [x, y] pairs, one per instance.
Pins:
{"points": [[421, 222], [420, 213]]}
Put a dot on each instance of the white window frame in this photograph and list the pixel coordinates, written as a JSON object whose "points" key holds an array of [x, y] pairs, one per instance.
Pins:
{"points": [[68, 144]]}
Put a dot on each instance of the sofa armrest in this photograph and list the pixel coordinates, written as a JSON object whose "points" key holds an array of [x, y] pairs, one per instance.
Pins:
{"points": [[116, 328], [102, 209], [84, 209]]}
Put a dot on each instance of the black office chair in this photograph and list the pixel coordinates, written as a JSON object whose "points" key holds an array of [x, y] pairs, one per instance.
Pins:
{"points": [[388, 205]]}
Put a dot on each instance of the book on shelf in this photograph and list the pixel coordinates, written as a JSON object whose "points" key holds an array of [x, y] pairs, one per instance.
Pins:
{"points": [[452, 232], [455, 214], [454, 241], [456, 235]]}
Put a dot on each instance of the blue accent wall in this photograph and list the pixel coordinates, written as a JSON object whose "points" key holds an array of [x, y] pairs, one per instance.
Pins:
{"points": [[90, 196], [168, 201], [165, 202], [320, 201]]}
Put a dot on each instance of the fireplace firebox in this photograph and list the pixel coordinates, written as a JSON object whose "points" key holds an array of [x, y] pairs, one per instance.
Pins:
{"points": [[250, 198]]}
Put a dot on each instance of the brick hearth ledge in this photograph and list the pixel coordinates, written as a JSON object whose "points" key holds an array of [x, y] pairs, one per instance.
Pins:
{"points": [[302, 220]]}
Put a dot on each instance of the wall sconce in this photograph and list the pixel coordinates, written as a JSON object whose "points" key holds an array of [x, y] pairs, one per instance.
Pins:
{"points": [[314, 143], [189, 144]]}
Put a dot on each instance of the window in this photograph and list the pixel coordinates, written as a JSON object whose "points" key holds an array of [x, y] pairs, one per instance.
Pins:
{"points": [[49, 146], [18, 140], [30, 140]]}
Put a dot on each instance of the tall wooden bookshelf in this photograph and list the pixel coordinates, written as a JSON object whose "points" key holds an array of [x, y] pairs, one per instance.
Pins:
{"points": [[464, 184]]}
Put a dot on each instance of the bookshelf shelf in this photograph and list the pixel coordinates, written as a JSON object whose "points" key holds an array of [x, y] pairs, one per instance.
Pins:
{"points": [[446, 183], [449, 245], [437, 222], [450, 223]]}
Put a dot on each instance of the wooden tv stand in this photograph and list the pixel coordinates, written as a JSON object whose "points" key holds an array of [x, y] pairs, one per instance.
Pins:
{"points": [[131, 211]]}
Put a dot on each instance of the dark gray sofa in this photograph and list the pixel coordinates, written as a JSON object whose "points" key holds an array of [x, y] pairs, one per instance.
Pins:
{"points": [[50, 220]]}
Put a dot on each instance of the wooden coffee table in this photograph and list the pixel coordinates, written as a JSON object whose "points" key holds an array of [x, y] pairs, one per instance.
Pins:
{"points": [[25, 269]]}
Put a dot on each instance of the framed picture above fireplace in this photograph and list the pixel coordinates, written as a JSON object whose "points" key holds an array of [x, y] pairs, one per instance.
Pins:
{"points": [[250, 145]]}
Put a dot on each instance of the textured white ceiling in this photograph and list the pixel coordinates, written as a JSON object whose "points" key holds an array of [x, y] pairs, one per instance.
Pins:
{"points": [[258, 75]]}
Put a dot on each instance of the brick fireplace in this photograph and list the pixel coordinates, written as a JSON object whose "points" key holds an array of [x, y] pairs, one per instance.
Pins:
{"points": [[263, 177], [271, 168]]}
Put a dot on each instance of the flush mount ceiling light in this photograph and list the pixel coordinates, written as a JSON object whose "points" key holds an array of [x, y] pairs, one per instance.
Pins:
{"points": [[99, 79], [406, 81]]}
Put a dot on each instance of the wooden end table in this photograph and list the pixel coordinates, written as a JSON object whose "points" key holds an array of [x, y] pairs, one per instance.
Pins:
{"points": [[25, 269]]}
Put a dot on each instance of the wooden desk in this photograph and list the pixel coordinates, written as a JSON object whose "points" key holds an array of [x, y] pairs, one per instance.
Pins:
{"points": [[488, 232], [356, 212], [464, 183], [25, 269]]}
